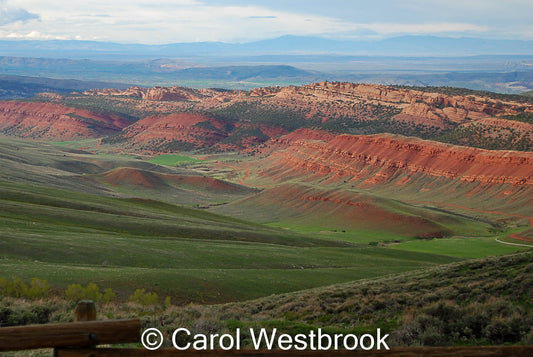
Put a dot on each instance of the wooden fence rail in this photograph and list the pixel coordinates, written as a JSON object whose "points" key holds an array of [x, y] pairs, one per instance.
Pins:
{"points": [[507, 351], [80, 338], [75, 334]]}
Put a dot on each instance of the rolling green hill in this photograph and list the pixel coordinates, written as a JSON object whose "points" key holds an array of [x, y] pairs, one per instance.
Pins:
{"points": [[478, 302], [71, 216], [469, 303], [193, 255]]}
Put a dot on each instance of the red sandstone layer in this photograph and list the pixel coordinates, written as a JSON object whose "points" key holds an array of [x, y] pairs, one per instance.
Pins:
{"points": [[37, 120], [382, 158]]}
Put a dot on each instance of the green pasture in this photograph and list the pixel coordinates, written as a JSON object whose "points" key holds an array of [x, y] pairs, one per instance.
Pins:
{"points": [[192, 255], [173, 160], [463, 247]]}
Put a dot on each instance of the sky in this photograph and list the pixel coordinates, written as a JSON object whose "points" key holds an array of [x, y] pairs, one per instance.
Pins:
{"points": [[173, 21]]}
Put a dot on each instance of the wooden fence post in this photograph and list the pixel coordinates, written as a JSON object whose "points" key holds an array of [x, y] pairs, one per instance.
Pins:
{"points": [[85, 311]]}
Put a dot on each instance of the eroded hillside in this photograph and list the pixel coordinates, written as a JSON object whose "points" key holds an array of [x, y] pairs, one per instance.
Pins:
{"points": [[253, 117], [48, 121]]}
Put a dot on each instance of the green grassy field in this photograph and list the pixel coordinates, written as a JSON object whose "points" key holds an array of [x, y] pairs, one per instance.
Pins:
{"points": [[192, 255], [474, 302], [464, 247], [351, 215], [76, 143], [464, 303], [173, 159]]}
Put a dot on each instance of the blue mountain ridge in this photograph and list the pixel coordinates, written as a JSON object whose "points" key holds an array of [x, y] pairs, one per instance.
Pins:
{"points": [[285, 45]]}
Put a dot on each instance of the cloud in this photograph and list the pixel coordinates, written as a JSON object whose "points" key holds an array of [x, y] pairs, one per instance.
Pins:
{"points": [[10, 15], [171, 21], [32, 35], [424, 28], [166, 21], [262, 17]]}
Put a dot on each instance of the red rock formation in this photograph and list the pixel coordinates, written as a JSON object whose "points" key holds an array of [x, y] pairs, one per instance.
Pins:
{"points": [[329, 100], [173, 93], [344, 107], [438, 110], [160, 93], [186, 131], [37, 120], [169, 133], [379, 159]]}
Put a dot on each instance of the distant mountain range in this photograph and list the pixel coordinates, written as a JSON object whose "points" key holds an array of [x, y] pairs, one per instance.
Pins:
{"points": [[493, 65], [285, 45], [15, 87], [15, 72]]}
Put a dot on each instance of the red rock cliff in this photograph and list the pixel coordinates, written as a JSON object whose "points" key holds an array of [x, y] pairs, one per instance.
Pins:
{"points": [[37, 120], [382, 158]]}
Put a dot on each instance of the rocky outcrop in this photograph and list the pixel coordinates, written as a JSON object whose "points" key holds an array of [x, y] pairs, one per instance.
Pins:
{"points": [[414, 103], [338, 106], [157, 93], [175, 132], [264, 113], [161, 93], [188, 131], [48, 121], [375, 159]]}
